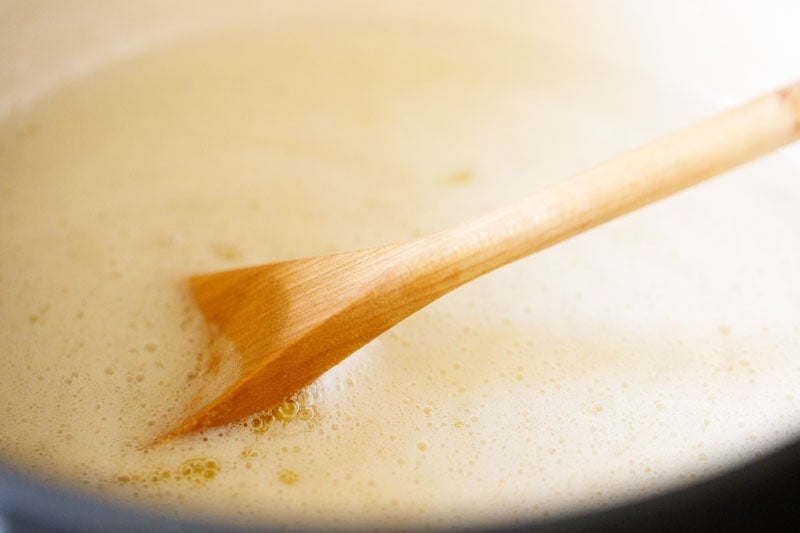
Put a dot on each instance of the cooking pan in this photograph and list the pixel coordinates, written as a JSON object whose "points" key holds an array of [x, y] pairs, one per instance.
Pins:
{"points": [[704, 55]]}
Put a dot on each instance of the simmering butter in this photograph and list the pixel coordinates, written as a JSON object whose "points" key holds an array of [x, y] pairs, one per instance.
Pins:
{"points": [[654, 350]]}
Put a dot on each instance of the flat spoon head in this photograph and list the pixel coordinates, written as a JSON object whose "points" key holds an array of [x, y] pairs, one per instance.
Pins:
{"points": [[276, 328]]}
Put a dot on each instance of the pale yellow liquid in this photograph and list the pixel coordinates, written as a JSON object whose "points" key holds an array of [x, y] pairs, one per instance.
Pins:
{"points": [[655, 350]]}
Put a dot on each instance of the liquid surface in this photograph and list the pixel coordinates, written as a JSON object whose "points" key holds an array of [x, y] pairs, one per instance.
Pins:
{"points": [[655, 350]]}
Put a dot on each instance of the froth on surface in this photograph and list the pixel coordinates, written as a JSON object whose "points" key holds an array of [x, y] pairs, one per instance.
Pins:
{"points": [[656, 350]]}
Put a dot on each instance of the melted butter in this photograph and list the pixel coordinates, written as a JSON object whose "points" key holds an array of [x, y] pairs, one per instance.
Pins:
{"points": [[656, 350]]}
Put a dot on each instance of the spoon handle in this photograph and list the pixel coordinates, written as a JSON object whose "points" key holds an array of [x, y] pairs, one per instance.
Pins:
{"points": [[611, 189]]}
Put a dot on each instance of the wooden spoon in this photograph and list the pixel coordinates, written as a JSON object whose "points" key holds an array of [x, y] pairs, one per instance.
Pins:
{"points": [[276, 328]]}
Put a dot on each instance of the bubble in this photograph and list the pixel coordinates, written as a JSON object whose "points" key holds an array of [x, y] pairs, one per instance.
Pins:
{"points": [[159, 476], [298, 408], [461, 177], [288, 477], [259, 423], [248, 452], [226, 251], [155, 476], [198, 470], [305, 413], [287, 410]]}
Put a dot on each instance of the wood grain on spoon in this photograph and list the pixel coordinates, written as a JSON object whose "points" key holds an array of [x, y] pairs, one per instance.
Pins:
{"points": [[276, 328]]}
